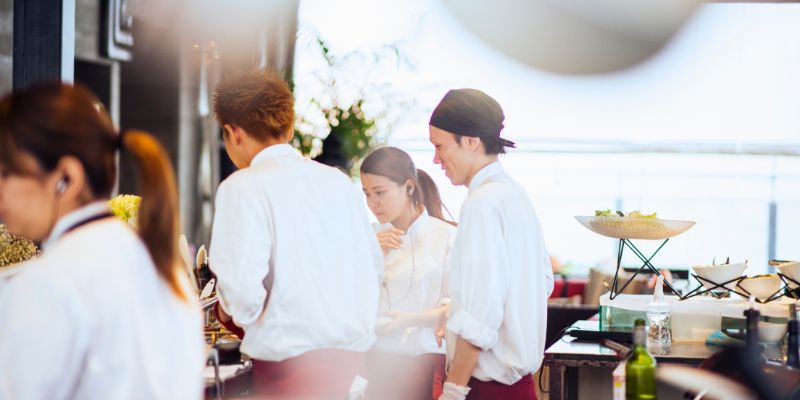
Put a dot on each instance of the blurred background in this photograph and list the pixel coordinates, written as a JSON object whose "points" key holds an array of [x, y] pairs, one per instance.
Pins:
{"points": [[700, 123], [706, 129]]}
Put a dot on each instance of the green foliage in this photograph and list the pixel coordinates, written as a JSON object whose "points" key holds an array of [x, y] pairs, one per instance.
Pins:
{"points": [[306, 143]]}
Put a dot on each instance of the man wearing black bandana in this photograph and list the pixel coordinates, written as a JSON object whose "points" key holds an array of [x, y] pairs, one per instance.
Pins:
{"points": [[500, 275]]}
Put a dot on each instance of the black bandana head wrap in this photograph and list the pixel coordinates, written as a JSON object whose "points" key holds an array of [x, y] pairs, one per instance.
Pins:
{"points": [[470, 112]]}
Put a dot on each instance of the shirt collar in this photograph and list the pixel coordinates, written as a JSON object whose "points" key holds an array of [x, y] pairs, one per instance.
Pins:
{"points": [[276, 150], [419, 222], [484, 174], [416, 225], [72, 218]]}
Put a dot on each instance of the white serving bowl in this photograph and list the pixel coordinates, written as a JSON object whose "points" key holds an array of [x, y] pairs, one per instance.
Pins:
{"points": [[634, 228], [770, 332], [762, 286], [792, 270], [719, 274]]}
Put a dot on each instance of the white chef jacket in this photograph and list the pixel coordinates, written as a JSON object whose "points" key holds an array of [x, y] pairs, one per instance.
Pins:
{"points": [[500, 278], [414, 281], [92, 319], [298, 265]]}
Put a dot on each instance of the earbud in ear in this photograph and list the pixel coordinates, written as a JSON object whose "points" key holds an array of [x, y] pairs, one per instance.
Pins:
{"points": [[410, 190], [61, 186]]}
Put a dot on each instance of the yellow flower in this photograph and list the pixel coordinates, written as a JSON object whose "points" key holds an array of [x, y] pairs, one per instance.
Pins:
{"points": [[14, 249], [126, 207]]}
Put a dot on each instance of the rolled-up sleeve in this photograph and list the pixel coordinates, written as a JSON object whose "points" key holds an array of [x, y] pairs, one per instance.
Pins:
{"points": [[241, 244], [479, 278]]}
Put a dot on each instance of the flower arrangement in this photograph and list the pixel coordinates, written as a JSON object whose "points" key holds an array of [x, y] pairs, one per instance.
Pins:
{"points": [[126, 208], [14, 249], [344, 114]]}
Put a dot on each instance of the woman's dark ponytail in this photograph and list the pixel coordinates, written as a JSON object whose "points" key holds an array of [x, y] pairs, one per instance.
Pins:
{"points": [[430, 196]]}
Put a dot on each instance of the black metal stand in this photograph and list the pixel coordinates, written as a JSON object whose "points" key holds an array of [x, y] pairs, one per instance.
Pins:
{"points": [[778, 294], [744, 293], [700, 290], [615, 290], [788, 288], [775, 296]]}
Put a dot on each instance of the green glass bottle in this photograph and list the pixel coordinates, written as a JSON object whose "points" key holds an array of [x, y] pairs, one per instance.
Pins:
{"points": [[640, 369]]}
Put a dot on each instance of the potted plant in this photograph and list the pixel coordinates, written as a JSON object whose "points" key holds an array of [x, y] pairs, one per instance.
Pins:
{"points": [[349, 115]]}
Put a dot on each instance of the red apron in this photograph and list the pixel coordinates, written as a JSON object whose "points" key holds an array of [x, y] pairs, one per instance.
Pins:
{"points": [[524, 389], [396, 376], [317, 374]]}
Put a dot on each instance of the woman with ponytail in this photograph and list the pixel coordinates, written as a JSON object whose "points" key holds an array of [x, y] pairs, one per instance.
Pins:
{"points": [[406, 361], [104, 312]]}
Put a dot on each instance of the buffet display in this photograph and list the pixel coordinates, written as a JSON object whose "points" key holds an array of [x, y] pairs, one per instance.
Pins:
{"points": [[716, 280], [634, 226]]}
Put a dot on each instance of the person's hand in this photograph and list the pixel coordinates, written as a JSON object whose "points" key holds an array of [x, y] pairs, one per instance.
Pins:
{"points": [[389, 238], [651, 283], [440, 326], [451, 391], [222, 316], [400, 321]]}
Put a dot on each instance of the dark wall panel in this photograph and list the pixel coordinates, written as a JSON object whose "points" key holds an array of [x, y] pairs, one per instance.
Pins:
{"points": [[6, 44], [150, 92], [37, 41]]}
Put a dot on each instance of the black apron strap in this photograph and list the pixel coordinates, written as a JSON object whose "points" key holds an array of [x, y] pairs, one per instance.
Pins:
{"points": [[87, 221]]}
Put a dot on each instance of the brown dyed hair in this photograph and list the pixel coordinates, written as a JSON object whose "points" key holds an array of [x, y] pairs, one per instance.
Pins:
{"points": [[257, 101], [397, 166], [52, 120]]}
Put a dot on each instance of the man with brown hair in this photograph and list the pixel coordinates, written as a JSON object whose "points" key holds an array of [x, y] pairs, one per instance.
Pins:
{"points": [[297, 263]]}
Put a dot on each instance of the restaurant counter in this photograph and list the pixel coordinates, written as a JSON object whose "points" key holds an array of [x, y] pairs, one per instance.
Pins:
{"points": [[582, 369]]}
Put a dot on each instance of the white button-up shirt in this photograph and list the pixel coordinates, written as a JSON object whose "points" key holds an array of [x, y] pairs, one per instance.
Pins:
{"points": [[500, 278], [414, 281], [92, 319], [297, 262]]}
